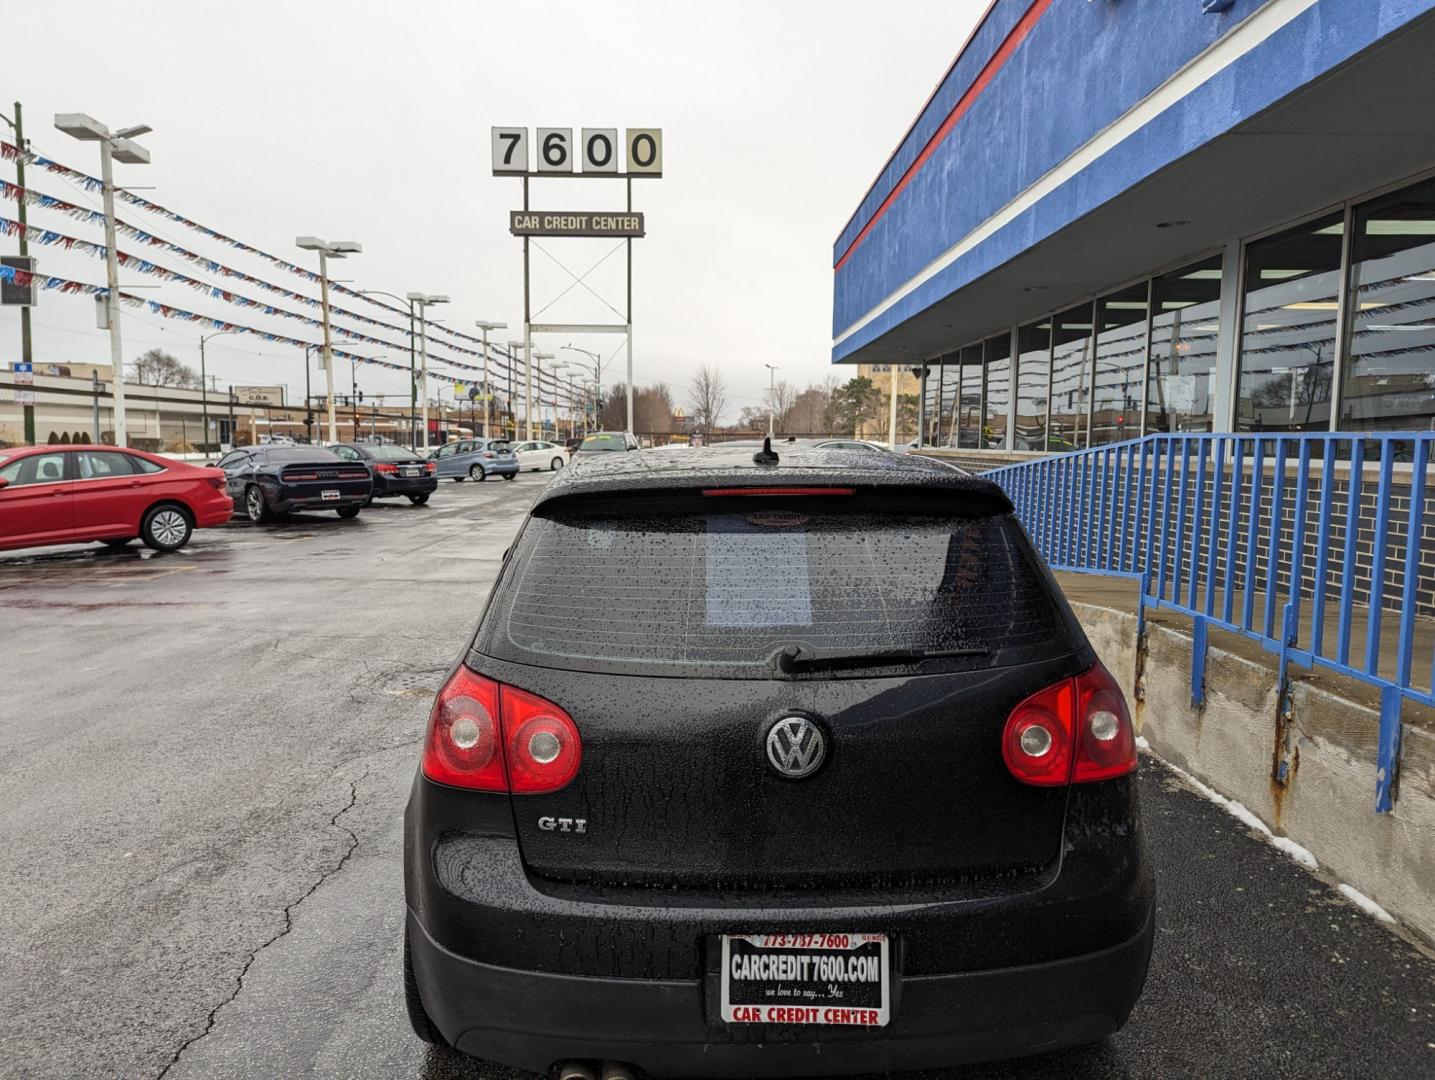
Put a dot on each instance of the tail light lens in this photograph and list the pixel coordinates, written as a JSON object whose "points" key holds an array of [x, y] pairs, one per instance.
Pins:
{"points": [[1075, 731], [429, 466], [488, 737], [387, 468], [217, 480], [489, 454]]}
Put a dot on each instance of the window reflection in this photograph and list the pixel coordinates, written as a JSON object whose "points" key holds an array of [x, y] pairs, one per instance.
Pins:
{"points": [[1120, 365], [1390, 342], [1288, 333], [1033, 371], [1070, 379], [970, 419], [1185, 321], [996, 359]]}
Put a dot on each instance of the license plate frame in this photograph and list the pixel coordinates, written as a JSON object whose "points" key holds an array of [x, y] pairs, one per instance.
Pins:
{"points": [[827, 991], [329, 494]]}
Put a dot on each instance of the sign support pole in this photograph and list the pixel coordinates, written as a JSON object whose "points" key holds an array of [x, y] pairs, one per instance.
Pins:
{"points": [[527, 341], [629, 309]]}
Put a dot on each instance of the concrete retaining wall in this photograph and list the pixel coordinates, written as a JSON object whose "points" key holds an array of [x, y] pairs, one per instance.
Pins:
{"points": [[1328, 805]]}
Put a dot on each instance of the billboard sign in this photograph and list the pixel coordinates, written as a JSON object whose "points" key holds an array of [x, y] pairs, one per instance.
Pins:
{"points": [[258, 395]]}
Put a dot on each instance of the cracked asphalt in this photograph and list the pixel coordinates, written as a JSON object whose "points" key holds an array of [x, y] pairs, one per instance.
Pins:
{"points": [[203, 763]]}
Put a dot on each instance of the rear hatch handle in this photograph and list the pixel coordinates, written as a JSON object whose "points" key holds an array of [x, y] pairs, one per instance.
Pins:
{"points": [[798, 657]]}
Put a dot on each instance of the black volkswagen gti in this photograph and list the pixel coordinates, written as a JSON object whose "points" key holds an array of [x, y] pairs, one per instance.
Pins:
{"points": [[774, 767]]}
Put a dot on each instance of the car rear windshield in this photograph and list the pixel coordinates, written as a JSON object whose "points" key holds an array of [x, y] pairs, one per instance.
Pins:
{"points": [[604, 442], [299, 453], [499, 446], [718, 593], [393, 453]]}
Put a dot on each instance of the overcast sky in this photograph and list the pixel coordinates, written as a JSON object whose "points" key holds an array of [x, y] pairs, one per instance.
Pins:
{"points": [[370, 121]]}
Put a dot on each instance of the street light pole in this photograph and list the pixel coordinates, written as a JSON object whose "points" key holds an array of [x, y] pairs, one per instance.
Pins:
{"points": [[113, 146], [203, 377], [487, 389], [422, 301], [597, 378], [336, 250]]}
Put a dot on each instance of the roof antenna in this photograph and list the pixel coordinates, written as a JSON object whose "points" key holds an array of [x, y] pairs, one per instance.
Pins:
{"points": [[765, 456]]}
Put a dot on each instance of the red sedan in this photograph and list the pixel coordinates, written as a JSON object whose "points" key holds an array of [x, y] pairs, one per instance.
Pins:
{"points": [[76, 494]]}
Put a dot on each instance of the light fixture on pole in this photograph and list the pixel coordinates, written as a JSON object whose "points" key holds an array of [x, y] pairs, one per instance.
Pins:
{"points": [[513, 347], [421, 301], [337, 250], [597, 379], [114, 146], [771, 396], [559, 367], [487, 389]]}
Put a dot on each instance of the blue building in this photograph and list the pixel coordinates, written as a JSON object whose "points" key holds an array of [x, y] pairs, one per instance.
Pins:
{"points": [[1118, 217]]}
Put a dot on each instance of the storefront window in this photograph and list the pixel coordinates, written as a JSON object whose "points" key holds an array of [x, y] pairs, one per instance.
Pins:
{"points": [[970, 421], [1288, 332], [1185, 320], [1033, 374], [1070, 379], [996, 358], [931, 401], [1120, 365], [1390, 336]]}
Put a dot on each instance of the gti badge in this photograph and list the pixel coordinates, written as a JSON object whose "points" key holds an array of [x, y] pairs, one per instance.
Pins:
{"points": [[796, 747], [563, 824]]}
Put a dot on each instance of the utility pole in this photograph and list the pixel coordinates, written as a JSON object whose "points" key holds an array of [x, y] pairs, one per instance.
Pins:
{"points": [[892, 424], [26, 353]]}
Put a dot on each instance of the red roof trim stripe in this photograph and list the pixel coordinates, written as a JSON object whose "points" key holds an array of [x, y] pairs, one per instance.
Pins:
{"points": [[984, 77]]}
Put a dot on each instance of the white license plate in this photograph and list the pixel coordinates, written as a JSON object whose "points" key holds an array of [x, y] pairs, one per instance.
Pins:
{"points": [[832, 980], [328, 494], [413, 472]]}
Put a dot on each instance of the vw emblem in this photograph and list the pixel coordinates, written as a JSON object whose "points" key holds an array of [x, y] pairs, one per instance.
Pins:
{"points": [[796, 747]]}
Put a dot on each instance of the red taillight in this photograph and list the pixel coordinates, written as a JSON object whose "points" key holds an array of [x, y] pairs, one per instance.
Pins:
{"points": [[386, 468], [541, 743], [489, 454], [713, 492], [489, 737], [1075, 731], [218, 481], [430, 466]]}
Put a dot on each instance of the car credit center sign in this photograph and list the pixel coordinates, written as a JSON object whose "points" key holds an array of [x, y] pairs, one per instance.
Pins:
{"points": [[567, 223]]}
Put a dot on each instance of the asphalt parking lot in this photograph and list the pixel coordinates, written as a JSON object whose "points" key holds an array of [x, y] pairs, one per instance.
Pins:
{"points": [[203, 763]]}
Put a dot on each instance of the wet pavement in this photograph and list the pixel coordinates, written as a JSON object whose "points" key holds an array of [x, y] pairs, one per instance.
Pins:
{"points": [[203, 763]]}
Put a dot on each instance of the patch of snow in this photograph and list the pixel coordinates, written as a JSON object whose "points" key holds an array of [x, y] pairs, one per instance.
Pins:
{"points": [[1365, 903], [1284, 844], [1142, 744]]}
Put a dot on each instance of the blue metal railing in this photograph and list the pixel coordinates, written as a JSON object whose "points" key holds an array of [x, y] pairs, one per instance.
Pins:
{"points": [[1312, 545]]}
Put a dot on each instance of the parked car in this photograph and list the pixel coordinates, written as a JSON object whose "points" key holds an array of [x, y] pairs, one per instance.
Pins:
{"points": [[397, 470], [571, 445], [803, 766], [476, 459], [539, 455], [601, 442], [269, 480], [78, 494]]}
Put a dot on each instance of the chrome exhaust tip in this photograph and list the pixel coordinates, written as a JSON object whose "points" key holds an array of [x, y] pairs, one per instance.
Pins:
{"points": [[616, 1070], [575, 1070]]}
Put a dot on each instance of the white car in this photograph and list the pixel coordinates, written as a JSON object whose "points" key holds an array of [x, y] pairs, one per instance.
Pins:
{"points": [[539, 455]]}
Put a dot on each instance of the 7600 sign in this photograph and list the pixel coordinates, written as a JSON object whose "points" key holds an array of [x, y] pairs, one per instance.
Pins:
{"points": [[597, 150]]}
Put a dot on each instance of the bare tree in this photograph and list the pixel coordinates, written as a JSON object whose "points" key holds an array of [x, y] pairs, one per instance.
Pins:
{"points": [[808, 414], [780, 398], [709, 398], [159, 368]]}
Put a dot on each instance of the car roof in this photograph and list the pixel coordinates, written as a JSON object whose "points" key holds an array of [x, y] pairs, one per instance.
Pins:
{"points": [[724, 466]]}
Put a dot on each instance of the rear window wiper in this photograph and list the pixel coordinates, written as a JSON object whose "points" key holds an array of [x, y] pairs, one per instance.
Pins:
{"points": [[792, 658]]}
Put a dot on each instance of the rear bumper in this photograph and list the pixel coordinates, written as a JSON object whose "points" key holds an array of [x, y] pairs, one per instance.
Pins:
{"points": [[213, 512], [533, 1019], [405, 485], [289, 502], [525, 971]]}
